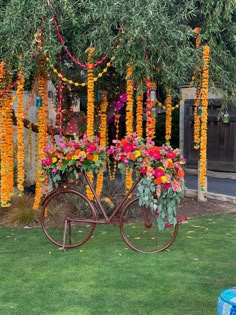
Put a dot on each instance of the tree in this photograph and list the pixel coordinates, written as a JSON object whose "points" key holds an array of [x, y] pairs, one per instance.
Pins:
{"points": [[155, 37]]}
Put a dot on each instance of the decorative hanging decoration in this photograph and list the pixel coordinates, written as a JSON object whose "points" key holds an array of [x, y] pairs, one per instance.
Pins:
{"points": [[226, 117], [103, 138], [150, 121], [7, 152], [129, 119], [204, 118], [42, 135], [139, 116], [168, 118], [130, 101], [112, 173], [73, 58], [90, 111], [153, 98], [20, 132], [76, 84], [197, 108]]}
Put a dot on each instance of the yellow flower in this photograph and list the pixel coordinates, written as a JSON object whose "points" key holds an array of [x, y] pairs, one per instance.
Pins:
{"points": [[83, 154], [54, 159], [137, 153], [95, 157], [149, 168], [74, 157], [163, 179]]}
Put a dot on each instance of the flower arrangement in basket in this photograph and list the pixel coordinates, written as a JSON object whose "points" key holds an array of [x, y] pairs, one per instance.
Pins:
{"points": [[66, 160], [162, 177]]}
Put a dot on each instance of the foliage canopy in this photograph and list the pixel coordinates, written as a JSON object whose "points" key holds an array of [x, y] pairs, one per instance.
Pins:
{"points": [[161, 31]]}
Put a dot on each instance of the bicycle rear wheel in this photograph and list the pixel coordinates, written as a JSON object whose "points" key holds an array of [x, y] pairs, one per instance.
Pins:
{"points": [[140, 231], [58, 217]]}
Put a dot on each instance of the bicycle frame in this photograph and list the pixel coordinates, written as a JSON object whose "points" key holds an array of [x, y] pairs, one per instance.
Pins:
{"points": [[107, 219]]}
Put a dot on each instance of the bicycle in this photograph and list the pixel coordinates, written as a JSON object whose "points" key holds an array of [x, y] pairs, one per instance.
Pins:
{"points": [[68, 219]]}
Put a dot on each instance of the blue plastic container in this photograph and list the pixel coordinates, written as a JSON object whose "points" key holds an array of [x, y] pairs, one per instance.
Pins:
{"points": [[226, 303]]}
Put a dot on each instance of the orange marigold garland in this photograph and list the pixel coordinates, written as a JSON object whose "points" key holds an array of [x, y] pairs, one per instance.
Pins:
{"points": [[103, 138], [168, 118], [150, 121], [204, 118], [197, 122], [20, 133], [7, 152], [6, 138], [139, 116], [90, 110], [129, 119], [42, 135]]}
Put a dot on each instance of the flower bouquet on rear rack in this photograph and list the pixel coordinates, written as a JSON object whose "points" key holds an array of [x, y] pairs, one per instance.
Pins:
{"points": [[67, 159], [161, 186]]}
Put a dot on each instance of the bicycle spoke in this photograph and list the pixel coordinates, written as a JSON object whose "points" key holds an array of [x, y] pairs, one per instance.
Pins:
{"points": [[66, 206], [140, 231]]}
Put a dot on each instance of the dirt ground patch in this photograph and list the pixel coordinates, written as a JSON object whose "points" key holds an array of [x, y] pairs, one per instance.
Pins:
{"points": [[190, 207]]}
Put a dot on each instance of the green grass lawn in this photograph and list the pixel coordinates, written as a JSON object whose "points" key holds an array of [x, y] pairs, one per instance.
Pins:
{"points": [[104, 277]]}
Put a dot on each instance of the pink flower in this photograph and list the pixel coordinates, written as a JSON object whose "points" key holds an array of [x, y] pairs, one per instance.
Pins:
{"points": [[158, 172], [47, 161], [62, 145], [176, 186], [47, 148], [91, 147], [158, 192], [54, 171], [171, 155]]}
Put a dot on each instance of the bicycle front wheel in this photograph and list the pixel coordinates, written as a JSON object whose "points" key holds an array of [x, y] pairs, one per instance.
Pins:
{"points": [[58, 217], [140, 231]]}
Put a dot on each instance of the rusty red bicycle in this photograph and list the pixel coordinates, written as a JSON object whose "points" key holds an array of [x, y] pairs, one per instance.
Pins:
{"points": [[68, 219]]}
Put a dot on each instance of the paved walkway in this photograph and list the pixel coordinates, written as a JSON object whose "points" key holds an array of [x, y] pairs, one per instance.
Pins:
{"points": [[223, 186]]}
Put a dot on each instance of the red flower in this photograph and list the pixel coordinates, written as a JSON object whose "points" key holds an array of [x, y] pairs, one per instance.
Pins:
{"points": [[127, 147], [158, 172], [143, 170], [166, 186], [154, 152]]}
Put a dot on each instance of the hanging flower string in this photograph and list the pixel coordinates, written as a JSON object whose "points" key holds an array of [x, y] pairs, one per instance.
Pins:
{"points": [[20, 133], [139, 116], [6, 137], [149, 120], [90, 111], [7, 154], [129, 119], [64, 79], [72, 57], [28, 149], [42, 135], [204, 117], [197, 118], [153, 103], [168, 118], [103, 138]]}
